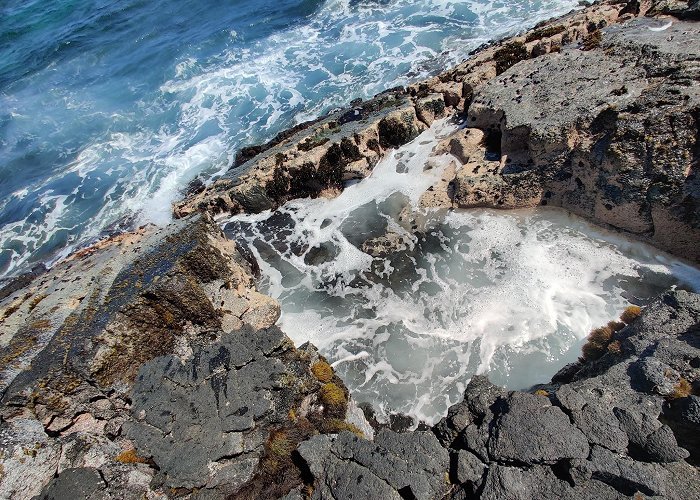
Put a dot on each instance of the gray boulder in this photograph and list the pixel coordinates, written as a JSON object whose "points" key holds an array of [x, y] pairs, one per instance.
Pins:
{"points": [[532, 431]]}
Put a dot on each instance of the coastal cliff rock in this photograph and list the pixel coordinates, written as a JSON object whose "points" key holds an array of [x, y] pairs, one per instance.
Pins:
{"points": [[610, 133], [316, 158], [149, 364], [242, 413], [595, 112]]}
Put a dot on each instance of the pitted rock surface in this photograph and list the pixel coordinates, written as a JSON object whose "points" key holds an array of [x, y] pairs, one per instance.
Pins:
{"points": [[610, 133], [412, 465], [211, 408]]}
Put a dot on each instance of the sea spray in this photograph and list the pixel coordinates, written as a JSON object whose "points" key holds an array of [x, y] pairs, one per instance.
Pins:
{"points": [[511, 294], [104, 118]]}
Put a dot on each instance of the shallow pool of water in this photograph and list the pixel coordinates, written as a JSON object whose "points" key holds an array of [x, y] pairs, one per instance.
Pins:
{"points": [[511, 294]]}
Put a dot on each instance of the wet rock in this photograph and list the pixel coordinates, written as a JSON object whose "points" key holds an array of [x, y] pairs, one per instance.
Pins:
{"points": [[567, 373], [9, 286], [316, 159], [195, 186], [469, 418]]}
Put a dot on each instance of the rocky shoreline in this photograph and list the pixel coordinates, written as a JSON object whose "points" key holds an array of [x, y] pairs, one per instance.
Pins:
{"points": [[598, 115], [149, 366]]}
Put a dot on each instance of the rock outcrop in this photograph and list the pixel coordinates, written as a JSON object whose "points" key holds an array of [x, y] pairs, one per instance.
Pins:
{"points": [[316, 159], [610, 431], [595, 112], [610, 133], [606, 433], [248, 415], [149, 364]]}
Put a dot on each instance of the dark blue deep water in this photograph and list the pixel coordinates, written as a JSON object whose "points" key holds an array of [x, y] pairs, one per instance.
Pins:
{"points": [[108, 108]]}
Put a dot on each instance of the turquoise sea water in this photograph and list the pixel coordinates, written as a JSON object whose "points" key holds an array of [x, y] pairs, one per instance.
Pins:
{"points": [[108, 108]]}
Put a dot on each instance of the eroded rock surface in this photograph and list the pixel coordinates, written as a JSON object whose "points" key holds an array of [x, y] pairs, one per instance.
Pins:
{"points": [[148, 366], [610, 133], [176, 306], [596, 112], [606, 433], [317, 159]]}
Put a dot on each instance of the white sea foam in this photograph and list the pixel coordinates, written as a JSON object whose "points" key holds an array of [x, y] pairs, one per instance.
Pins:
{"points": [[210, 107], [507, 293]]}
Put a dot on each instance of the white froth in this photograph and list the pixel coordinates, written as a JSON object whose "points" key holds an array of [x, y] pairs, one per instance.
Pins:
{"points": [[508, 293], [209, 108]]}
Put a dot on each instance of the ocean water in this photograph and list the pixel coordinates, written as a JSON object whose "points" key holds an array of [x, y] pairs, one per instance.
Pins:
{"points": [[511, 294], [109, 107]]}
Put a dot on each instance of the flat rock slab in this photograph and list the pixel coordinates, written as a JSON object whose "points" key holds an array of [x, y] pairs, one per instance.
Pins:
{"points": [[411, 465], [531, 430]]}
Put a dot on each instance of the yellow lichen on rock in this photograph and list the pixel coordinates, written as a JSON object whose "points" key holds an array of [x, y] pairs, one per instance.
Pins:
{"points": [[130, 457], [322, 371], [630, 314]]}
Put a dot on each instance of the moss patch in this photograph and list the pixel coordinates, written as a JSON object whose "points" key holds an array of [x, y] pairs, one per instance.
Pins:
{"points": [[332, 395], [615, 347], [508, 55], [322, 371], [682, 389], [544, 33], [35, 301], [592, 40], [630, 314], [277, 472], [17, 348], [336, 425], [280, 445], [597, 343], [602, 340]]}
